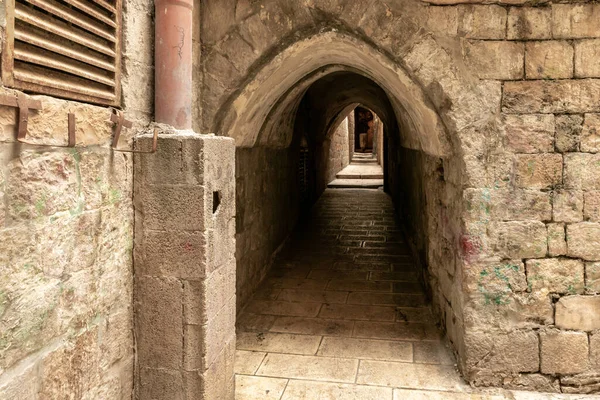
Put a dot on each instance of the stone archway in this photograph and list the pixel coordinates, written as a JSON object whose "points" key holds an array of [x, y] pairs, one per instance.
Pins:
{"points": [[262, 111], [334, 51]]}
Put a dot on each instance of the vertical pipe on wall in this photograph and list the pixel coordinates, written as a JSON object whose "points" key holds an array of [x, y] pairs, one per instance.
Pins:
{"points": [[173, 63]]}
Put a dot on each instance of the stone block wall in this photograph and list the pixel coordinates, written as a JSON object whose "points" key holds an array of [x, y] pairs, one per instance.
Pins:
{"points": [[531, 234], [65, 258], [267, 199], [335, 152], [185, 268], [66, 238]]}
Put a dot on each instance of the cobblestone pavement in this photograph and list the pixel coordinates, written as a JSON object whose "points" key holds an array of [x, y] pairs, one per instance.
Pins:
{"points": [[342, 316]]}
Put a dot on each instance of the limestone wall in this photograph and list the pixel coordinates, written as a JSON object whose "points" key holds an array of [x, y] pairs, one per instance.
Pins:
{"points": [[66, 239], [65, 253], [267, 203], [335, 152], [184, 299], [530, 233]]}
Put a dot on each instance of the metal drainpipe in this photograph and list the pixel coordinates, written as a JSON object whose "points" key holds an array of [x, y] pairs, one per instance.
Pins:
{"points": [[173, 63]]}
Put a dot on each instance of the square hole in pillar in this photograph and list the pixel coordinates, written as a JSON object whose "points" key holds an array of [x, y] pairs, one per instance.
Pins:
{"points": [[216, 201]]}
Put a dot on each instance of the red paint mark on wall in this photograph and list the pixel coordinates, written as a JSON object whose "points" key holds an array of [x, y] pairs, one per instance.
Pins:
{"points": [[469, 246]]}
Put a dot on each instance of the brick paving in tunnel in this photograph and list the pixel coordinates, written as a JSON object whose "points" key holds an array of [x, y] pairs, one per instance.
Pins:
{"points": [[342, 313]]}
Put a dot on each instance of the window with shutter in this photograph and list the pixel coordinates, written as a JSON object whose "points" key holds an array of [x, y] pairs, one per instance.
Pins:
{"points": [[64, 48]]}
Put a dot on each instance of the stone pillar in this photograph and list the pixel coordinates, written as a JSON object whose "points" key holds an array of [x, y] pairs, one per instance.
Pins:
{"points": [[184, 267]]}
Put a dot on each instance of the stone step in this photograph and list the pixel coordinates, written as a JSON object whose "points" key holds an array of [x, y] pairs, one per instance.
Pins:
{"points": [[355, 183], [359, 176], [361, 171], [359, 161]]}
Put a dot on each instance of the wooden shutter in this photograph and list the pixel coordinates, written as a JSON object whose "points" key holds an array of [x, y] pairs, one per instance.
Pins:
{"points": [[64, 48]]}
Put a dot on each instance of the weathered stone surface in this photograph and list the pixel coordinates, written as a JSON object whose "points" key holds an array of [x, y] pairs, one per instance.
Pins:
{"points": [[538, 171], [42, 184], [591, 206], [587, 383], [173, 207], [482, 21], [532, 382], [576, 20], [582, 240], [587, 54], [529, 23], [500, 352], [72, 368], [23, 384], [498, 277], [582, 171], [563, 352], [507, 205], [580, 313], [595, 350], [548, 60], [557, 242], [115, 342], [160, 384], [495, 59], [568, 132], [590, 134], [175, 254], [442, 20], [558, 275], [49, 125], [499, 308], [519, 239], [592, 277], [547, 96], [567, 206], [159, 324], [529, 133]]}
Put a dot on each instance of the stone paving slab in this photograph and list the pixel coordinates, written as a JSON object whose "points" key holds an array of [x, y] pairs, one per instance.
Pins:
{"points": [[313, 326], [297, 390], [278, 342], [366, 349], [247, 362], [259, 388], [358, 313], [420, 376], [314, 296], [309, 367]]}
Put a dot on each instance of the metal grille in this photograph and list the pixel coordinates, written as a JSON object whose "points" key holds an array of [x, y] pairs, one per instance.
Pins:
{"points": [[64, 48]]}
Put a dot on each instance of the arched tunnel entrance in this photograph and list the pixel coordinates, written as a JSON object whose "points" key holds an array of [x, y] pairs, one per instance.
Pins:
{"points": [[332, 284]]}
